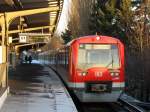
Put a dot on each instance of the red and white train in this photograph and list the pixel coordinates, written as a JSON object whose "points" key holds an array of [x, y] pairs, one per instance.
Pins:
{"points": [[91, 66]]}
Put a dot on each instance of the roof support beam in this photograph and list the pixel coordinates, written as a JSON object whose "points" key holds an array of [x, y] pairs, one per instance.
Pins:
{"points": [[8, 17], [30, 29]]}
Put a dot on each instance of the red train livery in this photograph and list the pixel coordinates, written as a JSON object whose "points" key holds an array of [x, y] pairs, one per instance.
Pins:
{"points": [[91, 66]]}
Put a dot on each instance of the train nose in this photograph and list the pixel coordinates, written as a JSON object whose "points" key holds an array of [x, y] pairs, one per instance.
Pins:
{"points": [[99, 74]]}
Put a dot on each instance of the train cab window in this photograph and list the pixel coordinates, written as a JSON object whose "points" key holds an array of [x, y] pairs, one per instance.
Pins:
{"points": [[98, 55]]}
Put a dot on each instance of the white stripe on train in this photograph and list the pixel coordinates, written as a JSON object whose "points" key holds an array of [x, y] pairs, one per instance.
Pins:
{"points": [[82, 85]]}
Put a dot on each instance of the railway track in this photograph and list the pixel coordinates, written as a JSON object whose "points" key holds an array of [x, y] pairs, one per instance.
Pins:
{"points": [[120, 106], [130, 107]]}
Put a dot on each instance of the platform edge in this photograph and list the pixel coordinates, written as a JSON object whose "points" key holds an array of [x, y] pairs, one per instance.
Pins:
{"points": [[3, 97]]}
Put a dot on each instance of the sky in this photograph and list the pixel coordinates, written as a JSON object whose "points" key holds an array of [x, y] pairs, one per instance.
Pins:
{"points": [[62, 25]]}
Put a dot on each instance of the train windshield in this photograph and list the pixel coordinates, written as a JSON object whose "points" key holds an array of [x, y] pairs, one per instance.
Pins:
{"points": [[95, 55]]}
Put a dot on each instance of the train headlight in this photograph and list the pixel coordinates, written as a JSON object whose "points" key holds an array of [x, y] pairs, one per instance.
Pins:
{"points": [[114, 74], [84, 73]]}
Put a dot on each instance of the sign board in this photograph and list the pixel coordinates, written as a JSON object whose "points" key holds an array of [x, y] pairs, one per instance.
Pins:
{"points": [[10, 39], [2, 54], [22, 39]]}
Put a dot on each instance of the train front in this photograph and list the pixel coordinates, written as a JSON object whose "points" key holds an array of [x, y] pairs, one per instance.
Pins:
{"points": [[98, 69]]}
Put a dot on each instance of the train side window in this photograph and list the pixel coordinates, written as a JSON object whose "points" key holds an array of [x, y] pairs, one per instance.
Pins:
{"points": [[67, 57], [64, 58]]}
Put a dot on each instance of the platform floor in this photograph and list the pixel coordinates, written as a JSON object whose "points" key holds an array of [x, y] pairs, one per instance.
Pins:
{"points": [[36, 88]]}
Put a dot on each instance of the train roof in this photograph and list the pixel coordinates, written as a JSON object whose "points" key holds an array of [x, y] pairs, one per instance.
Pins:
{"points": [[105, 39]]}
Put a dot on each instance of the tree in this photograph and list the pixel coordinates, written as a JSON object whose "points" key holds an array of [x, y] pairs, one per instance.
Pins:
{"points": [[54, 43], [136, 26], [103, 18], [66, 36], [79, 14]]}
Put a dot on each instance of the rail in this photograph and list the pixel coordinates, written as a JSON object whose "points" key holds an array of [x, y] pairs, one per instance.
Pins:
{"points": [[143, 105], [130, 106]]}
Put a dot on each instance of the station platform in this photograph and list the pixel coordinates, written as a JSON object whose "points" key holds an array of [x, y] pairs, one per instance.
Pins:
{"points": [[36, 88]]}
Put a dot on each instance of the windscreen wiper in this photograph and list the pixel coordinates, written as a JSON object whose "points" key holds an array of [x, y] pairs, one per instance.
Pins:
{"points": [[112, 61]]}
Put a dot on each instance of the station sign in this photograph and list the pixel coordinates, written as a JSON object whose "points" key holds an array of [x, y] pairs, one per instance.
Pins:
{"points": [[2, 54], [22, 39], [10, 40], [33, 37]]}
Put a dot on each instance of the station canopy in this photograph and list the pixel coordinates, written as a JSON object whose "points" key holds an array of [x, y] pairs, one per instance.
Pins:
{"points": [[48, 21]]}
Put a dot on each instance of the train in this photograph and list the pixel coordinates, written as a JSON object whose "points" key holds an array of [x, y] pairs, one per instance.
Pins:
{"points": [[91, 66]]}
